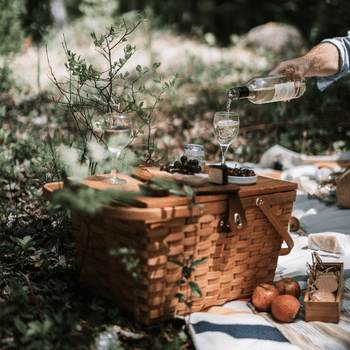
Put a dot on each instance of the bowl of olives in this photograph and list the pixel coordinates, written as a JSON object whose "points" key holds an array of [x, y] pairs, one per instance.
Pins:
{"points": [[242, 176]]}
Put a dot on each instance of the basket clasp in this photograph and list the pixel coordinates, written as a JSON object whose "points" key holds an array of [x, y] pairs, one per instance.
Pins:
{"points": [[233, 221]]}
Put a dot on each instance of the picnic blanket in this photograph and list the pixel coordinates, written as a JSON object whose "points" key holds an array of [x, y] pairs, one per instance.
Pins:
{"points": [[236, 325]]}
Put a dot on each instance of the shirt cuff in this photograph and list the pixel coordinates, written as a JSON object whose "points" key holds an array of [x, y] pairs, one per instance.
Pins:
{"points": [[343, 46]]}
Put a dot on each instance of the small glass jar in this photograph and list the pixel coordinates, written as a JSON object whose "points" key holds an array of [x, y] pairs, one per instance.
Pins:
{"points": [[193, 151]]}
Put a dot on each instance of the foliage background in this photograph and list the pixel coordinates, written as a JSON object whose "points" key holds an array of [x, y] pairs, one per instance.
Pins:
{"points": [[207, 80]]}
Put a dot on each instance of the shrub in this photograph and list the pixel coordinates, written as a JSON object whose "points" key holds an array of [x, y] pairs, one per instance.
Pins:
{"points": [[11, 30]]}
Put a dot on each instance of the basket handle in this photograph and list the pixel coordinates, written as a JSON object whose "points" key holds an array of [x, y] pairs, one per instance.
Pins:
{"points": [[277, 225]]}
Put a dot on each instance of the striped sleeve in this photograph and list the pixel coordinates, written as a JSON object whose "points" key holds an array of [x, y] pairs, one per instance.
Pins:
{"points": [[343, 46]]}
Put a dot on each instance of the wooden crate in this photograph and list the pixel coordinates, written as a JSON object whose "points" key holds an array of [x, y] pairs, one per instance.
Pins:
{"points": [[159, 229], [325, 311]]}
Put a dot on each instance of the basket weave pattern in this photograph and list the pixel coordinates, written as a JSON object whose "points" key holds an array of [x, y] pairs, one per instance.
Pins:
{"points": [[235, 264]]}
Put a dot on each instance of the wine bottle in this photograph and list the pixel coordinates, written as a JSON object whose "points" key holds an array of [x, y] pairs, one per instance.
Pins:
{"points": [[271, 88]]}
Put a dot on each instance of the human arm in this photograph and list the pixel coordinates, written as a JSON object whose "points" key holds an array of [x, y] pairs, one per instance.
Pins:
{"points": [[320, 61], [328, 61]]}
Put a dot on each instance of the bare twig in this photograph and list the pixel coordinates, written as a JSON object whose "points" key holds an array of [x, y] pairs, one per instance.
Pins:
{"points": [[33, 296]]}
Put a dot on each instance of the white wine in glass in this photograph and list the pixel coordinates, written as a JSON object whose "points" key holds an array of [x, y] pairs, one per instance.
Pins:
{"points": [[226, 127], [117, 132]]}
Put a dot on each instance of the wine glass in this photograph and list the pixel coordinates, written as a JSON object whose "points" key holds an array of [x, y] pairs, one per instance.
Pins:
{"points": [[226, 126], [117, 132]]}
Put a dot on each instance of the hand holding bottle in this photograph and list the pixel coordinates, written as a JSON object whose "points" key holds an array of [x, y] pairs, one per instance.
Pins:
{"points": [[320, 61], [293, 68]]}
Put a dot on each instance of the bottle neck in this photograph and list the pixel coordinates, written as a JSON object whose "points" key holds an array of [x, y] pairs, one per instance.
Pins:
{"points": [[238, 93]]}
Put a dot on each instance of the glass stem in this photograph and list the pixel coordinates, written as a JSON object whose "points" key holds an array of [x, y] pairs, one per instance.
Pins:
{"points": [[223, 153], [115, 156]]}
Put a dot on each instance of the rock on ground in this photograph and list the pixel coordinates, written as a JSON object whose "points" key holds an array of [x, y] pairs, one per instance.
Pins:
{"points": [[278, 38]]}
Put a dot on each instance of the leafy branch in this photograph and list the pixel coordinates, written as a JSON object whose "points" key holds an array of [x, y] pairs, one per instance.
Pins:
{"points": [[88, 92], [188, 265]]}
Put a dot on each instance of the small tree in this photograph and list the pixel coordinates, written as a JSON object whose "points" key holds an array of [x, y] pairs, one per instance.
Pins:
{"points": [[88, 93]]}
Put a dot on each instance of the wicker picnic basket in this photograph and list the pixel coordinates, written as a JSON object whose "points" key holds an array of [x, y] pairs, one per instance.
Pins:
{"points": [[159, 229]]}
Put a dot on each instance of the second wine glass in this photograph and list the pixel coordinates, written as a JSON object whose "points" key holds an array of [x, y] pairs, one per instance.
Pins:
{"points": [[226, 127], [117, 132]]}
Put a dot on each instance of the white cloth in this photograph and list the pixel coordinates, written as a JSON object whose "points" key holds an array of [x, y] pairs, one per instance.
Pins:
{"points": [[290, 159], [314, 217]]}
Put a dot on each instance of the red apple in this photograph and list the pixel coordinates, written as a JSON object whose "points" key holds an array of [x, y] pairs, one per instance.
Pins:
{"points": [[263, 295], [289, 286], [285, 308]]}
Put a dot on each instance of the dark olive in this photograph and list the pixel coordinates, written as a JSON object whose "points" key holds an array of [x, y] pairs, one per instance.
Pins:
{"points": [[191, 168], [250, 173], [183, 159], [177, 164], [184, 171], [198, 169]]}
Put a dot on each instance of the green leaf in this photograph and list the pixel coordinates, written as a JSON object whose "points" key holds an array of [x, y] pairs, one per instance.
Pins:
{"points": [[200, 207], [180, 296], [189, 190], [179, 282], [156, 65], [35, 327], [198, 262], [24, 243], [195, 289], [20, 325], [176, 262], [182, 335], [177, 192], [40, 225], [46, 326]]}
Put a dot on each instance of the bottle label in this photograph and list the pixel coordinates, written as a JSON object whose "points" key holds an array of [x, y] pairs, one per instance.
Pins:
{"points": [[285, 91]]}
